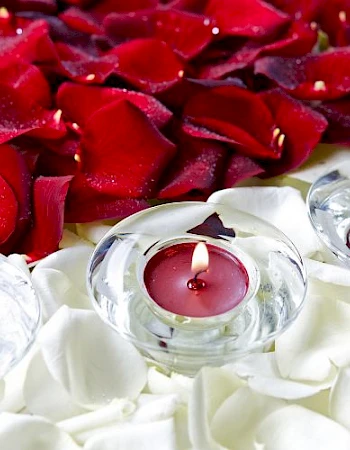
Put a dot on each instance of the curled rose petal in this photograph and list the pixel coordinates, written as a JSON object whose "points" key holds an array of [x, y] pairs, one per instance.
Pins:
{"points": [[48, 203], [123, 153], [310, 77], [79, 102], [219, 112], [8, 211], [251, 18], [291, 115], [338, 406], [239, 168], [338, 115], [80, 20], [197, 169], [85, 204], [134, 66]]}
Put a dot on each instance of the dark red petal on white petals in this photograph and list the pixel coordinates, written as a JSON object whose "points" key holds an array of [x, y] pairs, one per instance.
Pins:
{"points": [[80, 66], [299, 39], [148, 64], [8, 211], [240, 168], [312, 77], [80, 20], [49, 195], [197, 169], [84, 204], [338, 115], [79, 102], [302, 127], [251, 18], [18, 116], [234, 115], [123, 153], [186, 33]]}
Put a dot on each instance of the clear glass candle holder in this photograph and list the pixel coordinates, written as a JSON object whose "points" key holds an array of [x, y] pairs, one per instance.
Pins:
{"points": [[328, 203], [274, 296], [20, 315]]}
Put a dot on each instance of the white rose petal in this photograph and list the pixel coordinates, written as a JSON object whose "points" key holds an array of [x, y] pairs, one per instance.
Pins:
{"points": [[235, 422], [318, 402], [90, 360], [70, 239], [281, 206], [152, 408], [295, 427], [24, 432], [328, 273], [20, 262], [93, 232], [151, 436], [211, 387], [319, 339], [159, 383], [2, 390], [44, 396], [339, 405]]}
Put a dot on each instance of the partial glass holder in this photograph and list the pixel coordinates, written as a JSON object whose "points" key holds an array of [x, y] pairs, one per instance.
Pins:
{"points": [[20, 315], [275, 295], [328, 203]]}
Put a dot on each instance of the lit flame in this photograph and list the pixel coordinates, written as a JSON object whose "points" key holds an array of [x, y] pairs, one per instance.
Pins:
{"points": [[200, 258]]}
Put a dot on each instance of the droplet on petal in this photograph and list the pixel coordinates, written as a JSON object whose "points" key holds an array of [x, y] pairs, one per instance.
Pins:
{"points": [[4, 14], [342, 16], [181, 73], [19, 31], [313, 26], [319, 85], [57, 116], [90, 77], [206, 22], [215, 31]]}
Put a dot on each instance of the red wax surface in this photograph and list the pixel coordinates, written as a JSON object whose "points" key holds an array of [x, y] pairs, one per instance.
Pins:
{"points": [[167, 273]]}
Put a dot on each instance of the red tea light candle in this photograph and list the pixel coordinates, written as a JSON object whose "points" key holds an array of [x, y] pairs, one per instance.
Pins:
{"points": [[196, 280]]}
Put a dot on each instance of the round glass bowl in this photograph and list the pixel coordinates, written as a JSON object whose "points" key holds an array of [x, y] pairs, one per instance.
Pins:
{"points": [[328, 203], [274, 297], [20, 315]]}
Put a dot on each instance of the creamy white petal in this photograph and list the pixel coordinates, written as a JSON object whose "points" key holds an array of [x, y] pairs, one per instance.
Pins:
{"points": [[71, 261], [152, 408], [93, 232], [70, 239], [319, 339], [295, 427], [151, 436], [20, 262], [318, 402], [159, 383], [339, 406], [328, 273], [275, 204], [236, 420], [54, 289], [90, 360], [24, 432], [2, 390], [211, 387], [44, 395]]}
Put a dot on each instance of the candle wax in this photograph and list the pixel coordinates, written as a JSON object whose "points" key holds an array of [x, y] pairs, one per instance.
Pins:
{"points": [[168, 272]]}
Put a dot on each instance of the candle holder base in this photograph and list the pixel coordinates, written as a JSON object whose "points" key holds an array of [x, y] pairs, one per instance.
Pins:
{"points": [[277, 285]]}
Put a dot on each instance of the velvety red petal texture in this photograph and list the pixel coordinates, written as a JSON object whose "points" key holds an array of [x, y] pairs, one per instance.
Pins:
{"points": [[148, 64], [84, 204], [79, 102], [80, 20], [239, 168], [334, 19], [251, 18], [103, 7], [313, 77], [44, 6], [292, 115], [308, 10], [338, 115], [197, 171], [196, 6], [298, 39], [8, 211], [123, 153], [236, 116], [49, 194]]}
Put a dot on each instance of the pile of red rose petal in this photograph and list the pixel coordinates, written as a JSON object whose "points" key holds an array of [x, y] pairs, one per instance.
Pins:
{"points": [[105, 105]]}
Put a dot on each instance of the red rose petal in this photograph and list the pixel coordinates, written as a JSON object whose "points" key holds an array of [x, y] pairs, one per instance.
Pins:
{"points": [[302, 127], [80, 66], [307, 10], [196, 6], [197, 169], [101, 8], [49, 194], [311, 77], [84, 204], [44, 6], [148, 64], [298, 40], [338, 115], [251, 18], [335, 22], [80, 102], [53, 165], [80, 20], [8, 211], [240, 168], [235, 115], [123, 153]]}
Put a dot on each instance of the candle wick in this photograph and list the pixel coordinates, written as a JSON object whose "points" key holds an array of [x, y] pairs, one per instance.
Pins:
{"points": [[195, 284], [198, 273]]}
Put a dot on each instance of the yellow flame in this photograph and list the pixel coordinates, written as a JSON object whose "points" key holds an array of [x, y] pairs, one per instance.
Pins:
{"points": [[200, 258]]}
